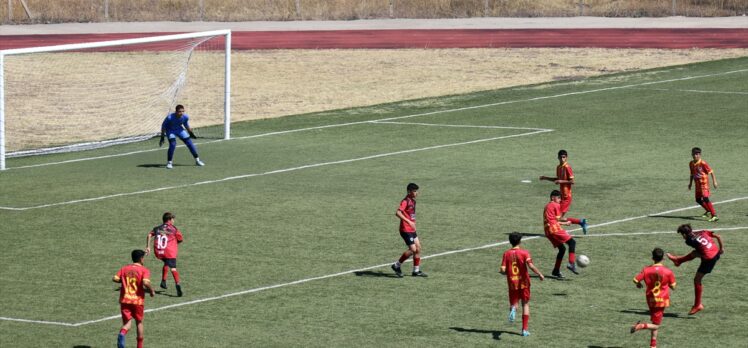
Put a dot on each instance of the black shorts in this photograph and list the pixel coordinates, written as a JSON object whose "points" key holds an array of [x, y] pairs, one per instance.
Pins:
{"points": [[409, 237], [172, 263], [707, 266]]}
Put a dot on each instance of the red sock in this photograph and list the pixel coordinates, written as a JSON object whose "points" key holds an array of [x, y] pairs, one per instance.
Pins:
{"points": [[403, 257], [525, 321], [140, 342], [697, 289], [123, 332], [710, 208], [653, 342], [557, 267], [164, 272], [573, 220], [572, 258], [175, 274], [416, 261]]}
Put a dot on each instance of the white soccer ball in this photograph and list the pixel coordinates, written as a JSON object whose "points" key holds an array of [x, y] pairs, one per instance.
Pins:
{"points": [[583, 261]]}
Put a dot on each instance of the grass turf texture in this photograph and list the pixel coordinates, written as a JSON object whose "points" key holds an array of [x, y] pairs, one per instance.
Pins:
{"points": [[629, 148]]}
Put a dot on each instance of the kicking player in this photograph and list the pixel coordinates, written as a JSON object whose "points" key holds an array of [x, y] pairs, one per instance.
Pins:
{"points": [[700, 172], [659, 280], [552, 221], [135, 280], [176, 125], [564, 179], [703, 243], [166, 238], [406, 212], [514, 264]]}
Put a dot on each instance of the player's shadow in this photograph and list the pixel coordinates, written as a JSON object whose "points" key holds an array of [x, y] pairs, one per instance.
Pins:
{"points": [[496, 334], [164, 293], [681, 217], [604, 346], [646, 312], [525, 234], [159, 165], [375, 274], [80, 346]]}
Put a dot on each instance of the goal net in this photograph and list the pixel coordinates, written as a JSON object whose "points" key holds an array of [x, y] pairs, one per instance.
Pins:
{"points": [[83, 96]]}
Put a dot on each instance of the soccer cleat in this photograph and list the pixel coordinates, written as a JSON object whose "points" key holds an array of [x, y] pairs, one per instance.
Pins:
{"points": [[557, 274], [169, 166], [705, 215], [635, 327], [179, 290], [696, 309], [163, 284], [675, 260], [525, 333], [199, 163], [713, 219], [120, 340], [583, 224], [419, 274], [572, 267], [512, 314], [398, 271]]}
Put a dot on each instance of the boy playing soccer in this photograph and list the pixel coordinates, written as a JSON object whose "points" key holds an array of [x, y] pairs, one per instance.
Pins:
{"points": [[659, 280], [166, 238], [564, 179], [176, 125], [700, 172], [514, 264], [703, 243], [552, 221], [135, 279], [406, 212]]}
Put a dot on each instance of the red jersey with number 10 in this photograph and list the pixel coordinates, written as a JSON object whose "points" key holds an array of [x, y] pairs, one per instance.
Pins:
{"points": [[133, 277], [704, 243], [165, 240], [515, 262], [658, 279], [408, 208]]}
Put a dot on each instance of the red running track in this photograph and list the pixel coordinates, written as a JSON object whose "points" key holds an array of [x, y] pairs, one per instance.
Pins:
{"points": [[438, 38]]}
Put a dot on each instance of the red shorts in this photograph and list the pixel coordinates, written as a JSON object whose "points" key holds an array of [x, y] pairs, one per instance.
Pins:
{"points": [[519, 294], [558, 238], [656, 314], [565, 203], [702, 193], [130, 311]]}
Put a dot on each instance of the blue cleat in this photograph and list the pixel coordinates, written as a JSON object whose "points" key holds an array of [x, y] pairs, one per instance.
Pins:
{"points": [[572, 267], [525, 333], [583, 223], [512, 314], [120, 341]]}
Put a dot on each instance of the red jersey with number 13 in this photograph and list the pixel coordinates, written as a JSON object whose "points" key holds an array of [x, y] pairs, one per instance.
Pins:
{"points": [[659, 279], [408, 208], [165, 240], [515, 262], [132, 277]]}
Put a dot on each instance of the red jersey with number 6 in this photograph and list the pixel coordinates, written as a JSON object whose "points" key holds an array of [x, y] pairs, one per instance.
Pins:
{"points": [[659, 279], [408, 208], [704, 243], [133, 277], [165, 240], [515, 262]]}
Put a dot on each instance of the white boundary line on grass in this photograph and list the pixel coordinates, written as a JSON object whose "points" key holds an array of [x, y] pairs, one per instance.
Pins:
{"points": [[691, 91], [277, 171], [401, 117], [301, 281]]}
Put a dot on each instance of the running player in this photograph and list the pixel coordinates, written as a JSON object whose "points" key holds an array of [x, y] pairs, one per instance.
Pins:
{"points": [[552, 221], [135, 280], [166, 238], [700, 172], [406, 212], [703, 243], [176, 125], [514, 264], [564, 179], [659, 280]]}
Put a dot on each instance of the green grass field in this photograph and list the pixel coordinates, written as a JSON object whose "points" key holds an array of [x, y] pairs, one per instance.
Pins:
{"points": [[290, 227]]}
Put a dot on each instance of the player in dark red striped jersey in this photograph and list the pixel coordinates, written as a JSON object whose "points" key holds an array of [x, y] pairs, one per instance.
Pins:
{"points": [[659, 280], [166, 239], [135, 280], [406, 212], [700, 172], [514, 264], [564, 179], [707, 250]]}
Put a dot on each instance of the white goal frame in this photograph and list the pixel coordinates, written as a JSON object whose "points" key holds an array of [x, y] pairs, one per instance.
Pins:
{"points": [[68, 47]]}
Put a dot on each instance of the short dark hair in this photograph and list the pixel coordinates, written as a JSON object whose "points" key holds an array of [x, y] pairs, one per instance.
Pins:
{"points": [[180, 106], [167, 216], [515, 238], [412, 187], [562, 153], [555, 193], [137, 255], [657, 254], [685, 229], [695, 150]]}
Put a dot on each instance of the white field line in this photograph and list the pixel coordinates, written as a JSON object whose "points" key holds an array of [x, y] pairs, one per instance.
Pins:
{"points": [[278, 171], [692, 91], [455, 125], [301, 281], [402, 117]]}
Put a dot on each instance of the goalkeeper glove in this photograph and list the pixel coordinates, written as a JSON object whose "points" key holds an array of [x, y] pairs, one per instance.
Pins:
{"points": [[161, 142], [192, 135]]}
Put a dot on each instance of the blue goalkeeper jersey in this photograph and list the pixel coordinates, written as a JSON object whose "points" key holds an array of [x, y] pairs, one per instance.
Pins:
{"points": [[173, 124]]}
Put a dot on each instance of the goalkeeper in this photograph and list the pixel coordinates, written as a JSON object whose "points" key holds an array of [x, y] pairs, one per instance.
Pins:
{"points": [[176, 124]]}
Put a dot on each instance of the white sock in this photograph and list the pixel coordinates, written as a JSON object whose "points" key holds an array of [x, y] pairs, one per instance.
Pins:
{"points": [[397, 263], [417, 269]]}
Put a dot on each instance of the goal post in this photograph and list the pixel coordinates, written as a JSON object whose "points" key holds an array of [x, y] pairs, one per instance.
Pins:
{"points": [[75, 97]]}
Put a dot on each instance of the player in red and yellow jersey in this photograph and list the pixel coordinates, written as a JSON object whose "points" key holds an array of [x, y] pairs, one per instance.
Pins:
{"points": [[514, 264], [707, 250], [135, 280], [552, 221], [564, 179], [406, 212], [700, 172], [659, 280], [166, 238]]}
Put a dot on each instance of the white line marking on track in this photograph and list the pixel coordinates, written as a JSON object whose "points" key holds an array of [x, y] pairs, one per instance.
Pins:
{"points": [[301, 281], [400, 117]]}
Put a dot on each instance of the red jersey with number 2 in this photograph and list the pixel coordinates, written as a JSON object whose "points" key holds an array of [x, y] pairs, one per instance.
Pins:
{"points": [[133, 277], [659, 279], [515, 262], [165, 240], [408, 208], [703, 242]]}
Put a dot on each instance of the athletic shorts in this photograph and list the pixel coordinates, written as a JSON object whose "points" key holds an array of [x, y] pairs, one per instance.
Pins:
{"points": [[565, 203], [702, 192], [130, 311], [707, 266], [516, 295], [656, 314], [409, 237], [558, 238], [172, 263], [181, 135]]}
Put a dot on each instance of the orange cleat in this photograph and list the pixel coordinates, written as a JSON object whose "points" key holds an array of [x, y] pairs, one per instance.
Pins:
{"points": [[696, 309]]}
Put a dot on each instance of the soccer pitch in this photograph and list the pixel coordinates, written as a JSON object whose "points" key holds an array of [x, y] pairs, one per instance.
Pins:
{"points": [[290, 227]]}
